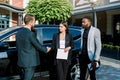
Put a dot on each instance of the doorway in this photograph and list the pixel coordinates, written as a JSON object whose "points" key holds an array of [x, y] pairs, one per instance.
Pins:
{"points": [[116, 29]]}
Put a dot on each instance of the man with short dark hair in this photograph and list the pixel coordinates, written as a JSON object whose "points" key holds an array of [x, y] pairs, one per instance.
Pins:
{"points": [[90, 48], [27, 46]]}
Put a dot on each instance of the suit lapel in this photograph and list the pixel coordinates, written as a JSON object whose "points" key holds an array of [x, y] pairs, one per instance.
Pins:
{"points": [[82, 31], [90, 37], [90, 34], [58, 40], [66, 39]]}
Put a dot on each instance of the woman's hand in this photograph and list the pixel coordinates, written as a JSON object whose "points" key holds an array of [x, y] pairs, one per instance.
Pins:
{"points": [[67, 49]]}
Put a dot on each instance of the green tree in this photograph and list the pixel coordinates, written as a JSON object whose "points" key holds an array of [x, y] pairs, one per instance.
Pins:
{"points": [[48, 10]]}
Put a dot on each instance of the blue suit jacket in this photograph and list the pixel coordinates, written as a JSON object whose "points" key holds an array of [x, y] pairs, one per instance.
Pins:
{"points": [[27, 46]]}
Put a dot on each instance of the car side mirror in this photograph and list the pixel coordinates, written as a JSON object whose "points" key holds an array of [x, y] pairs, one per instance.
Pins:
{"points": [[4, 46]]}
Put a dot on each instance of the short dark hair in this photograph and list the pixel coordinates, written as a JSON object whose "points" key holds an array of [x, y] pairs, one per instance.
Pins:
{"points": [[65, 23], [28, 18], [88, 17]]}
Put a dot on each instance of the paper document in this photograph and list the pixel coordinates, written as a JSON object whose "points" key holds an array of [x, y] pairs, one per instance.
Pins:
{"points": [[90, 66], [3, 55], [61, 54]]}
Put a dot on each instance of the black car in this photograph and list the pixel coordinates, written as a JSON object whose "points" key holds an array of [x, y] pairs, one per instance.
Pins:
{"points": [[8, 52]]}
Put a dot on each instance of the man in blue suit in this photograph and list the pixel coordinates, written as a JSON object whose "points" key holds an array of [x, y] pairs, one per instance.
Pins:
{"points": [[27, 46], [90, 48]]}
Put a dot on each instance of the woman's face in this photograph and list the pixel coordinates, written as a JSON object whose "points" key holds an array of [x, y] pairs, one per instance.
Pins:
{"points": [[62, 28]]}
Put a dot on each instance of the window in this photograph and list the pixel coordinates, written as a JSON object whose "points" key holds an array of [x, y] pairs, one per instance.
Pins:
{"points": [[82, 2], [4, 21], [48, 34], [75, 33], [10, 38], [113, 0]]}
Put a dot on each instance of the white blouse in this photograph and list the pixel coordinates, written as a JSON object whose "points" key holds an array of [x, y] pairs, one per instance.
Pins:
{"points": [[62, 43]]}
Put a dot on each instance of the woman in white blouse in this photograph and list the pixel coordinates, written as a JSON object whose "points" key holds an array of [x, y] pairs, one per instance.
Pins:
{"points": [[62, 45]]}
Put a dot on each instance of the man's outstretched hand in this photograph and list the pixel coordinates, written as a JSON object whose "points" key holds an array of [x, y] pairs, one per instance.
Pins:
{"points": [[48, 49]]}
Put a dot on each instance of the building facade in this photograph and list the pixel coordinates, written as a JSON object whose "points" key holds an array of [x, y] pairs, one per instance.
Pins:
{"points": [[11, 12], [105, 14]]}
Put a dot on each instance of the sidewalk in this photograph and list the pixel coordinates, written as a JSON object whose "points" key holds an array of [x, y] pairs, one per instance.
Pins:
{"points": [[110, 69]]}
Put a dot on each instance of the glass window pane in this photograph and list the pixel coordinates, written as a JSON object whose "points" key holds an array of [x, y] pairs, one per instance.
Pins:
{"points": [[2, 26], [2, 22], [48, 33], [7, 26]]}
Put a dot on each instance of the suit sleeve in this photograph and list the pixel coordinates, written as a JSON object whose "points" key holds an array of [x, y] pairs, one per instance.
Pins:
{"points": [[71, 42], [97, 44], [36, 43], [54, 41]]}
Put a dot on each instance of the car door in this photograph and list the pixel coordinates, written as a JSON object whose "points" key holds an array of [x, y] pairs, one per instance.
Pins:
{"points": [[45, 35], [48, 33], [8, 56]]}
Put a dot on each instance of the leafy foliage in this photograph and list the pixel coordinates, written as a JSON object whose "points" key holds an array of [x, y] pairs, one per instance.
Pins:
{"points": [[110, 46], [48, 10]]}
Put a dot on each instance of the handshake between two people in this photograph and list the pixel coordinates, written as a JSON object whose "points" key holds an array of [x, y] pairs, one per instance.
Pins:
{"points": [[65, 50], [48, 49]]}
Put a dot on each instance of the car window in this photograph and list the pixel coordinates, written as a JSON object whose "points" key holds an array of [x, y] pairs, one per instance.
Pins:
{"points": [[11, 40], [39, 35], [48, 33], [8, 30], [76, 34]]}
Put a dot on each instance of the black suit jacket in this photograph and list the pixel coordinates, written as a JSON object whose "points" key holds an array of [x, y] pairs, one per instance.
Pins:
{"points": [[27, 46], [68, 42]]}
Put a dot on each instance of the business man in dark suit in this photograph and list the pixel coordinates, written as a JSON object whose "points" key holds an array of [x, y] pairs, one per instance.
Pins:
{"points": [[27, 46]]}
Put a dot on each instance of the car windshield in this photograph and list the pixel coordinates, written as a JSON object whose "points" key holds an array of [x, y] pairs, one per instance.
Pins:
{"points": [[8, 30]]}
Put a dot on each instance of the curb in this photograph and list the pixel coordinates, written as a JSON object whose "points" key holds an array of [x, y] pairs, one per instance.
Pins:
{"points": [[110, 62]]}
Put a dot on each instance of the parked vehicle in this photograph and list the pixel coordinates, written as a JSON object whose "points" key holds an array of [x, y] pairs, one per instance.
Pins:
{"points": [[8, 51]]}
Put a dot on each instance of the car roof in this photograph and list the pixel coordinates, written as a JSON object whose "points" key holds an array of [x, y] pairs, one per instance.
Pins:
{"points": [[36, 26], [9, 29], [16, 28], [54, 25]]}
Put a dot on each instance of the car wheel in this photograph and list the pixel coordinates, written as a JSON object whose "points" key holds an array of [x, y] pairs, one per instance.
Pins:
{"points": [[75, 72]]}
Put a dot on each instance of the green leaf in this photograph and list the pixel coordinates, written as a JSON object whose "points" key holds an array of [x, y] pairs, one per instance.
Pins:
{"points": [[46, 10]]}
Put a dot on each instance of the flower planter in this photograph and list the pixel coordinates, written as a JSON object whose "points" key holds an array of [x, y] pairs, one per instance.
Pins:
{"points": [[111, 53]]}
